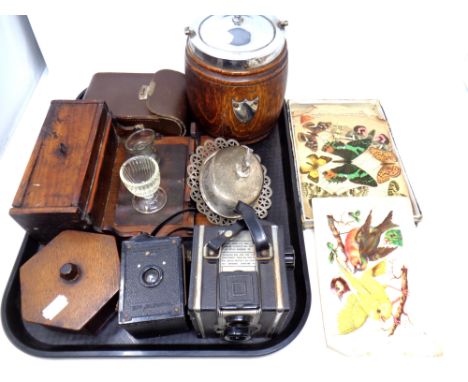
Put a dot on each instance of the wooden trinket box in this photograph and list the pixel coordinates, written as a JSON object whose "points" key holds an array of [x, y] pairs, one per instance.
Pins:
{"points": [[71, 282], [65, 183]]}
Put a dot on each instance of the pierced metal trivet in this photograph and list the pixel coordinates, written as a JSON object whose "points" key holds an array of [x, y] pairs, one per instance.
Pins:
{"points": [[263, 202]]}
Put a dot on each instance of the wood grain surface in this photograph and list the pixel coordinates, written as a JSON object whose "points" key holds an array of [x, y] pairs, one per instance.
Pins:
{"points": [[61, 179], [97, 258], [212, 90], [119, 215]]}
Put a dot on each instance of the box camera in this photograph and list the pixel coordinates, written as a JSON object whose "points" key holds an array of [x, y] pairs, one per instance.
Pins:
{"points": [[238, 290], [152, 286]]}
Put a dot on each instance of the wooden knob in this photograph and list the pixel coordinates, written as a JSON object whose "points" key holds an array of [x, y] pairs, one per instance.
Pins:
{"points": [[69, 272]]}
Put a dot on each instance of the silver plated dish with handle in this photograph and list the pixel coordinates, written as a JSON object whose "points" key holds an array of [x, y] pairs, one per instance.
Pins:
{"points": [[221, 173]]}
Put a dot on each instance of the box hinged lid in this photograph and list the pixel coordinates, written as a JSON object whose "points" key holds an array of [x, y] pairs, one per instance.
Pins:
{"points": [[60, 172]]}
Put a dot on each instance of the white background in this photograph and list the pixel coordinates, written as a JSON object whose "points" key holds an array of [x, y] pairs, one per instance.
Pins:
{"points": [[410, 55], [19, 73]]}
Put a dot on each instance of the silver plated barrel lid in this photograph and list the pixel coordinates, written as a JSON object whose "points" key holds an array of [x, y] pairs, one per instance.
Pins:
{"points": [[237, 41]]}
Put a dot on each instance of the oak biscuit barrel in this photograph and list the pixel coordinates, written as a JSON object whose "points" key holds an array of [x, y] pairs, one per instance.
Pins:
{"points": [[236, 72]]}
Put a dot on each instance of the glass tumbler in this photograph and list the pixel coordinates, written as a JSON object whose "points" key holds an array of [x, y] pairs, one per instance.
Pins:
{"points": [[141, 142], [140, 175]]}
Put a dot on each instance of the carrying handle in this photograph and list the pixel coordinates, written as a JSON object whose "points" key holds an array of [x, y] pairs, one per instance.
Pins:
{"points": [[216, 243], [256, 230]]}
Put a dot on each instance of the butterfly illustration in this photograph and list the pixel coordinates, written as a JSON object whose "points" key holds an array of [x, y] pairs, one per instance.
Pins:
{"points": [[358, 132], [311, 166], [389, 164], [394, 189], [311, 135], [310, 191], [348, 170], [339, 131]]}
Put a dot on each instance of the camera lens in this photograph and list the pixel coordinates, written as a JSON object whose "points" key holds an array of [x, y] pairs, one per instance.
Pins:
{"points": [[238, 329], [152, 276], [237, 333]]}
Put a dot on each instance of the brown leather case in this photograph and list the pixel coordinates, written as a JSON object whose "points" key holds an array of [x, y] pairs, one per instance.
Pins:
{"points": [[65, 184], [157, 101], [69, 283]]}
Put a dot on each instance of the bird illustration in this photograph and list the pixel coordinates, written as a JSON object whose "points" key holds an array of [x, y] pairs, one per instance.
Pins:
{"points": [[362, 243], [368, 299]]}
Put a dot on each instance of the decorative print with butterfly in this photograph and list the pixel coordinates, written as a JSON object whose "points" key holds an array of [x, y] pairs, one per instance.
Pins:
{"points": [[345, 149]]}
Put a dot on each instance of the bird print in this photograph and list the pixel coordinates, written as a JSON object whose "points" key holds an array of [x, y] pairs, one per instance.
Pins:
{"points": [[362, 243], [368, 299]]}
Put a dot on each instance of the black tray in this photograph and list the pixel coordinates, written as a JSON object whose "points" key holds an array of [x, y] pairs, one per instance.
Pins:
{"points": [[112, 341]]}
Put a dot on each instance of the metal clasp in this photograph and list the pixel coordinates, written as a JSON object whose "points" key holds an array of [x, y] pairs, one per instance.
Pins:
{"points": [[146, 91]]}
